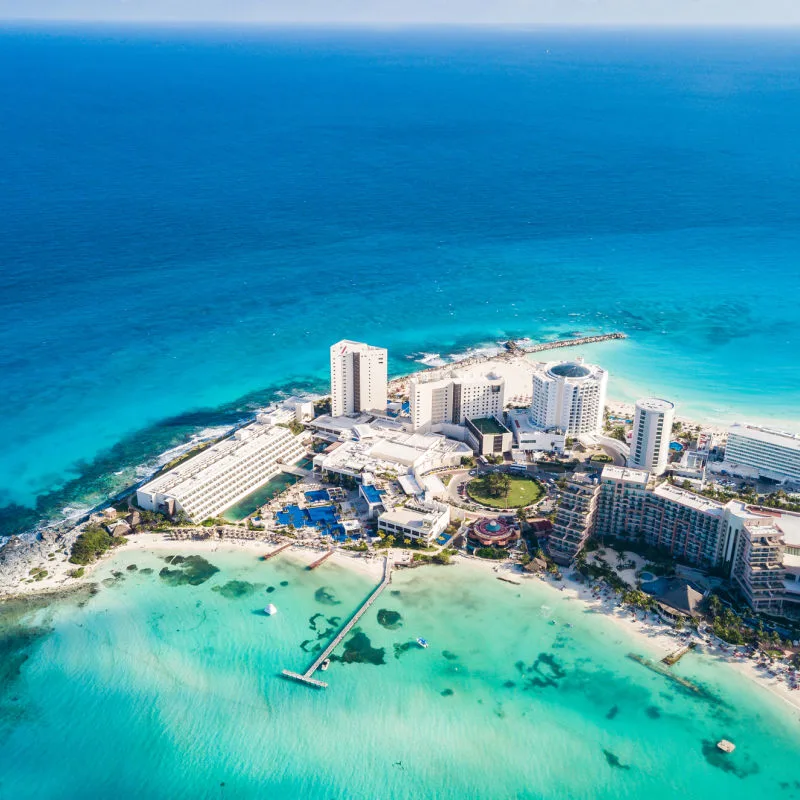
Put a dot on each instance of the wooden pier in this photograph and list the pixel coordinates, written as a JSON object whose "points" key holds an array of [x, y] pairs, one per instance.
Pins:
{"points": [[308, 676], [320, 561], [275, 552]]}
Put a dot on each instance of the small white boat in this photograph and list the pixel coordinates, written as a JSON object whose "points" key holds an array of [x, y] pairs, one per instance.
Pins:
{"points": [[422, 642], [271, 609], [726, 746], [325, 664]]}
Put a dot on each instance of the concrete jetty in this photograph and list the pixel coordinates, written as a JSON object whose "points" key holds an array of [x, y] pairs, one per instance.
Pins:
{"points": [[307, 677], [674, 658], [516, 349]]}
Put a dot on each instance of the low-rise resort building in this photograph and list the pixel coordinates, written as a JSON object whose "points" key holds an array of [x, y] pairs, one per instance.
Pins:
{"points": [[205, 485], [493, 532], [418, 520]]}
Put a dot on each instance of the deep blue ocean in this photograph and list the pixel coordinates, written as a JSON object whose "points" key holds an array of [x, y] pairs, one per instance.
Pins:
{"points": [[189, 218]]}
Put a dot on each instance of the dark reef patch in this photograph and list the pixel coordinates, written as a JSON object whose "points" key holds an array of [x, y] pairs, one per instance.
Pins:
{"points": [[118, 577], [544, 672], [284, 583], [270, 589], [232, 590], [146, 571], [391, 620], [509, 684], [732, 763], [395, 592], [653, 712], [325, 596], [132, 568], [450, 656], [359, 650], [190, 571], [323, 631], [447, 693], [613, 760], [404, 647], [612, 712]]}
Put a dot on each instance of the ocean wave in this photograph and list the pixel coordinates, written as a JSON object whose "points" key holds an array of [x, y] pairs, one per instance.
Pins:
{"points": [[481, 351], [431, 359], [146, 469]]}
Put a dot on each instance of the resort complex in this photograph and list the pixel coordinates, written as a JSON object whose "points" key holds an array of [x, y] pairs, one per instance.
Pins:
{"points": [[443, 455], [206, 484]]}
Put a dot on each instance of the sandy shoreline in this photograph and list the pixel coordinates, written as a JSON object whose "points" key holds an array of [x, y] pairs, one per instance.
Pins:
{"points": [[656, 638]]}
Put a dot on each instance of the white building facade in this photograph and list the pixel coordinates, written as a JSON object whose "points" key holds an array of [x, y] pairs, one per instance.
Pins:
{"points": [[211, 481], [359, 378], [416, 520], [453, 400], [569, 396], [764, 452], [652, 430]]}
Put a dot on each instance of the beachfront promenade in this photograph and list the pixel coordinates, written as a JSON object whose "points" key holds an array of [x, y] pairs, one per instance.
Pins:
{"points": [[308, 676]]}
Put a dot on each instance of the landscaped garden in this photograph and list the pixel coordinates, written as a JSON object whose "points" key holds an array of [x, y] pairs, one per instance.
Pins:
{"points": [[501, 490]]}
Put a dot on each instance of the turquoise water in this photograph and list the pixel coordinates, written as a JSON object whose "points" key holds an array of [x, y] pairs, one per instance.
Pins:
{"points": [[217, 207], [151, 689]]}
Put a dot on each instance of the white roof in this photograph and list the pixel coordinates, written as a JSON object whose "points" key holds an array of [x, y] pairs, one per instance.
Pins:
{"points": [[767, 435], [412, 517], [626, 474], [689, 499], [655, 404], [409, 485]]}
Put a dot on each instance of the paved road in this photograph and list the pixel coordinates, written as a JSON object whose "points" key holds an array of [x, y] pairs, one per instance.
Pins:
{"points": [[615, 448]]}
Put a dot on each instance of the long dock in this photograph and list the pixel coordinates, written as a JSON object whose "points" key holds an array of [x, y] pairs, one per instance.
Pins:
{"points": [[275, 552], [513, 347], [308, 676], [319, 561]]}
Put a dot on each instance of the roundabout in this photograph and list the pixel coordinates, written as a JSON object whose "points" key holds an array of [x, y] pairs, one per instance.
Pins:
{"points": [[500, 490]]}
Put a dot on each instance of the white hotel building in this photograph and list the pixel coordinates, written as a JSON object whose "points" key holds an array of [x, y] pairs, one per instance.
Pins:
{"points": [[359, 378], [208, 483], [569, 396], [652, 430], [416, 520], [763, 452], [454, 399]]}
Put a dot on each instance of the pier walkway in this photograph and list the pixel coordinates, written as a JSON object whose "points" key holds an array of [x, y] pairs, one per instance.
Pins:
{"points": [[321, 560], [298, 472], [275, 552], [308, 676]]}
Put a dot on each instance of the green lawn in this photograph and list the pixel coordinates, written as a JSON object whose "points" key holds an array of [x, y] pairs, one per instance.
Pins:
{"points": [[522, 492]]}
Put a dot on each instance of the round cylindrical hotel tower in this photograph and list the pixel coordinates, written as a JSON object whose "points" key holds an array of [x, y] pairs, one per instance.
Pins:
{"points": [[652, 430], [570, 396]]}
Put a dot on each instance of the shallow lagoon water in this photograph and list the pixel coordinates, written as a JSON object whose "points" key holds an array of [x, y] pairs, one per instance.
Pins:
{"points": [[177, 685]]}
